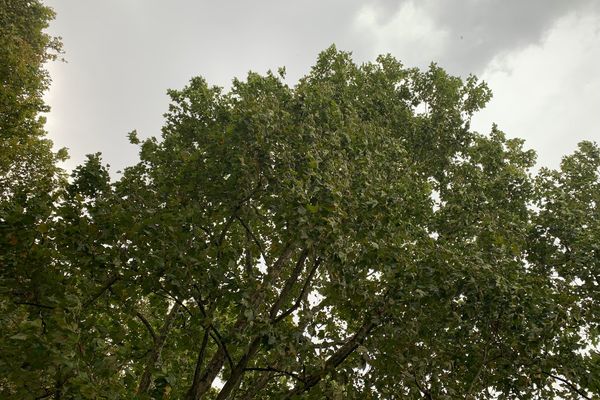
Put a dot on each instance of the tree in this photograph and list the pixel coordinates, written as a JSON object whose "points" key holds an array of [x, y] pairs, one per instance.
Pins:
{"points": [[27, 163], [348, 237], [29, 186], [24, 49]]}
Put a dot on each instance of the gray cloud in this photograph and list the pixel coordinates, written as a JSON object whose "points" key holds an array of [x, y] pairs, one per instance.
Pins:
{"points": [[476, 31], [123, 55], [489, 28]]}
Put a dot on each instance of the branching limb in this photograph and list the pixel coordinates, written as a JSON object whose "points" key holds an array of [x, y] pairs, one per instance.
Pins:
{"points": [[237, 372], [234, 215], [221, 343], [425, 392], [216, 335], [289, 285], [154, 355], [274, 269], [335, 359], [479, 370], [203, 382], [107, 285], [569, 384], [254, 238], [303, 292], [147, 325], [256, 386], [176, 300], [201, 356], [28, 303]]}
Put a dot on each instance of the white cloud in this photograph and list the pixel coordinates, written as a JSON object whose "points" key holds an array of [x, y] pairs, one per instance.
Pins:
{"points": [[549, 93], [410, 33]]}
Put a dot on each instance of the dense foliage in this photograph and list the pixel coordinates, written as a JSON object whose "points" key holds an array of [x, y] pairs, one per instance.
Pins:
{"points": [[29, 183], [347, 237]]}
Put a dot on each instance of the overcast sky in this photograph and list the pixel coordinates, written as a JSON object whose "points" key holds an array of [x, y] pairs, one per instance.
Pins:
{"points": [[541, 59]]}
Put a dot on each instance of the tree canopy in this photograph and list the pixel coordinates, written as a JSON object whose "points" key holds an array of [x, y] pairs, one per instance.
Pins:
{"points": [[348, 237]]}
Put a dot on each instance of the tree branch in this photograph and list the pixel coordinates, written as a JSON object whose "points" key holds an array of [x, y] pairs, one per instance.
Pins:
{"points": [[221, 343], [335, 359], [176, 300], [236, 374], [201, 355], [302, 294], [289, 285], [254, 238], [202, 384], [147, 324], [424, 392], [569, 384], [216, 335], [273, 270], [27, 303], [479, 370], [233, 215], [107, 285], [256, 386], [154, 355]]}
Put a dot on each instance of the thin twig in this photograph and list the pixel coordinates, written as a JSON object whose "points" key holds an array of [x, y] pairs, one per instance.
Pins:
{"points": [[254, 238], [176, 300], [111, 281], [271, 369], [572, 386], [27, 303], [234, 214], [423, 391]]}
